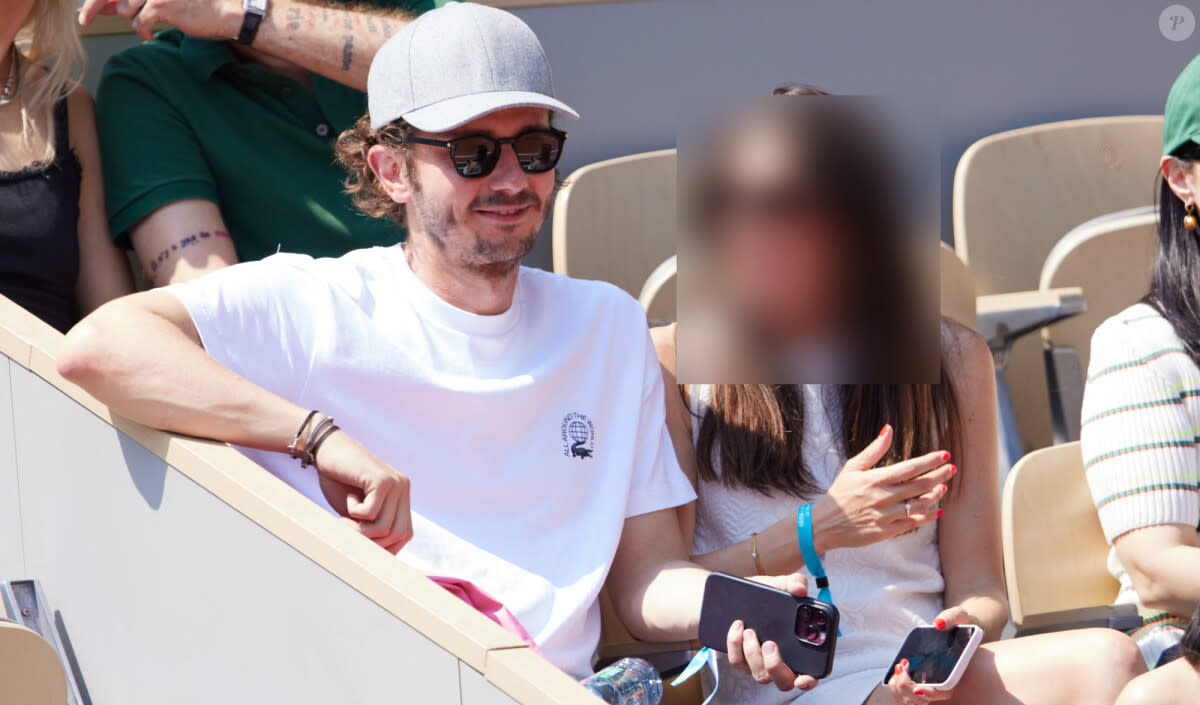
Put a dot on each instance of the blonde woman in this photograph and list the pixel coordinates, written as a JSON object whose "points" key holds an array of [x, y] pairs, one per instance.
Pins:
{"points": [[56, 258]]}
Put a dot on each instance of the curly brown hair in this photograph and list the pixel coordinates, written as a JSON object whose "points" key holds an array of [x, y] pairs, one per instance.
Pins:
{"points": [[361, 183]]}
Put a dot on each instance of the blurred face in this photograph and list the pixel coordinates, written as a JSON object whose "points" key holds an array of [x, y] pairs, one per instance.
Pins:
{"points": [[777, 245], [487, 223]]}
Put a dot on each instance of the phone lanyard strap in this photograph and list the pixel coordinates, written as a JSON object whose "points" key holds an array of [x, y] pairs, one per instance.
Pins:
{"points": [[704, 657], [808, 549]]}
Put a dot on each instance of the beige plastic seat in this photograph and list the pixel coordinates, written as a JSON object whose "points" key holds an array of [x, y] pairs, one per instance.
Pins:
{"points": [[1017, 193], [1054, 549], [30, 672], [615, 220], [958, 288], [658, 293], [1111, 258]]}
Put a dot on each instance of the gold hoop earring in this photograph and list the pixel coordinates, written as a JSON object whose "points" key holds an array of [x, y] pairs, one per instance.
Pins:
{"points": [[1189, 220]]}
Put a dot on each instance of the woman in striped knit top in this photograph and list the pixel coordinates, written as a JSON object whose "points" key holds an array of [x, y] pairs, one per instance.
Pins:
{"points": [[1141, 408]]}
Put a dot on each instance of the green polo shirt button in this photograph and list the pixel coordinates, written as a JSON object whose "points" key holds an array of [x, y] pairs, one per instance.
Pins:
{"points": [[286, 91], [322, 130]]}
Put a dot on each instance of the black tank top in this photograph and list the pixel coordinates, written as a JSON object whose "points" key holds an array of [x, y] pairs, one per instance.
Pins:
{"points": [[39, 239]]}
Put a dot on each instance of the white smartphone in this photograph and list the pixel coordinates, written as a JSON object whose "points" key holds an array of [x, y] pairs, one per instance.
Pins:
{"points": [[937, 658]]}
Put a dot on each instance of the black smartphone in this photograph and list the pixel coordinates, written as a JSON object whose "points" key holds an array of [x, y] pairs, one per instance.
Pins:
{"points": [[804, 629], [937, 658]]}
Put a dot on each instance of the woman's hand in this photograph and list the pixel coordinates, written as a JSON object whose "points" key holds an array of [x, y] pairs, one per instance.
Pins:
{"points": [[908, 692], [865, 504], [763, 661]]}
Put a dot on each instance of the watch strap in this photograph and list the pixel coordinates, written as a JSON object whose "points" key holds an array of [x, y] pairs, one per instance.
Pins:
{"points": [[251, 21]]}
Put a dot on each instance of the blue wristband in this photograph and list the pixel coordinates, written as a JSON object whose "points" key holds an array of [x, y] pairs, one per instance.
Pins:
{"points": [[804, 534]]}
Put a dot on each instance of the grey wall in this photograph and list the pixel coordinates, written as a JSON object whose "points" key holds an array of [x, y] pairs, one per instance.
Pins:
{"points": [[637, 70], [168, 595]]}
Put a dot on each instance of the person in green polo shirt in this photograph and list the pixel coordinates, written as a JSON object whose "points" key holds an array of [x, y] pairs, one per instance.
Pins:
{"points": [[217, 136]]}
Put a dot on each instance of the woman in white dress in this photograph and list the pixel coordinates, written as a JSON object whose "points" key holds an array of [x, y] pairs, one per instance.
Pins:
{"points": [[909, 525]]}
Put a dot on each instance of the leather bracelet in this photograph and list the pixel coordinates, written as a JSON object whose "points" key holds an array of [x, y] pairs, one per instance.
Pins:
{"points": [[325, 432], [306, 451], [308, 454], [294, 449]]}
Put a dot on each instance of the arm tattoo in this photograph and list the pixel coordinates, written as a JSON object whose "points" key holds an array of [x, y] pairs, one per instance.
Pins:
{"points": [[294, 17], [162, 257], [347, 52]]}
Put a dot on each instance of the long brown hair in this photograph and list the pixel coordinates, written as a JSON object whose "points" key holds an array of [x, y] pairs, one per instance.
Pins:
{"points": [[754, 432]]}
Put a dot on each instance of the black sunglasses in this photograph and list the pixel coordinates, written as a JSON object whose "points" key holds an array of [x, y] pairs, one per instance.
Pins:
{"points": [[475, 156]]}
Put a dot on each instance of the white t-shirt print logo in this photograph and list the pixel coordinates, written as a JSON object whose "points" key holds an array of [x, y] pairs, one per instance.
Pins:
{"points": [[578, 436]]}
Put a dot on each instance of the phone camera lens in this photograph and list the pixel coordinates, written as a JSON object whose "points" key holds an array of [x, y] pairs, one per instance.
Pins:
{"points": [[812, 625]]}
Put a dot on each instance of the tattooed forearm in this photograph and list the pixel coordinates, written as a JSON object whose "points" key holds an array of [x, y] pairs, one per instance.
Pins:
{"points": [[315, 34], [168, 253], [347, 51]]}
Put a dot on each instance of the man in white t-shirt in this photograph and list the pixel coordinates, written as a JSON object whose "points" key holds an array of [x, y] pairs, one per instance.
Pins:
{"points": [[525, 408]]}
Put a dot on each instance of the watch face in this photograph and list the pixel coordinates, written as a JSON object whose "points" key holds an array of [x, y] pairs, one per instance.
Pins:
{"points": [[258, 6]]}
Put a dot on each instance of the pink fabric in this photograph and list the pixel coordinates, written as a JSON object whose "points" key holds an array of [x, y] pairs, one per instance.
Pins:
{"points": [[487, 605]]}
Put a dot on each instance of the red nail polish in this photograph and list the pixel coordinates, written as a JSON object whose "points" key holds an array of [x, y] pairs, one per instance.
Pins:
{"points": [[899, 668], [918, 692], [883, 430], [942, 488], [939, 623], [940, 513], [953, 469], [945, 456]]}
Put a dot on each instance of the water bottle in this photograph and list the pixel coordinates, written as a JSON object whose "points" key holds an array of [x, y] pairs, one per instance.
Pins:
{"points": [[630, 681]]}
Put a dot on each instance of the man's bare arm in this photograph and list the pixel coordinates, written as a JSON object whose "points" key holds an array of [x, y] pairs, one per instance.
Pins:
{"points": [[657, 593], [181, 241], [323, 37], [332, 41], [166, 379], [142, 356]]}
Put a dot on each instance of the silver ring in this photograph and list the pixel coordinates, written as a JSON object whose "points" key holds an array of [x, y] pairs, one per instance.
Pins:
{"points": [[908, 509]]}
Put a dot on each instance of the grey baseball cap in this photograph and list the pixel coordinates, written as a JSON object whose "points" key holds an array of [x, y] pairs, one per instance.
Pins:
{"points": [[458, 63]]}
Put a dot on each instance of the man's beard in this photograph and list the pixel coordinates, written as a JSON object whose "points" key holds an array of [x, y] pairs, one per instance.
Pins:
{"points": [[490, 258]]}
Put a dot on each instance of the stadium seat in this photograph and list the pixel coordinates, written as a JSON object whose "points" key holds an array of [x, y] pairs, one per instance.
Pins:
{"points": [[658, 293], [615, 220], [1054, 549], [30, 671], [1111, 258], [1017, 193], [957, 288]]}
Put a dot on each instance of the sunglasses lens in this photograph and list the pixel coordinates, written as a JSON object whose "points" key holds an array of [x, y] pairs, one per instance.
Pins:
{"points": [[538, 151], [474, 156]]}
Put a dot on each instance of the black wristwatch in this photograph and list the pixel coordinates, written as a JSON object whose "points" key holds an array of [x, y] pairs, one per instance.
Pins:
{"points": [[255, 11]]}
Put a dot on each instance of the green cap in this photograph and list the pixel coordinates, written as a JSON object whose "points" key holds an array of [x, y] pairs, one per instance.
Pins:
{"points": [[1181, 117]]}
